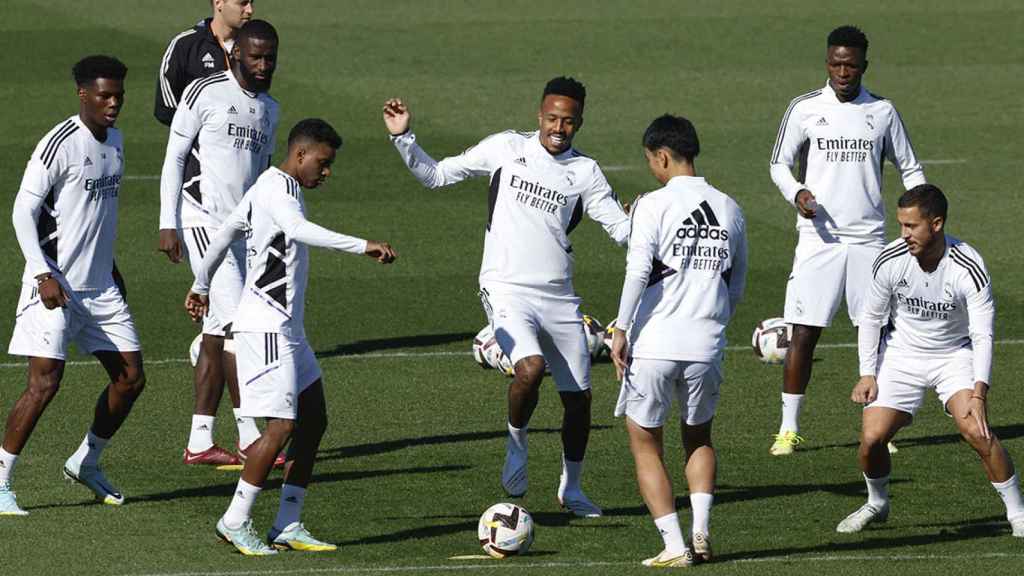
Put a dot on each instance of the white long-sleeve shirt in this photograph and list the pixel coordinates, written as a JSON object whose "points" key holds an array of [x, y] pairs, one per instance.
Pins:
{"points": [[535, 201], [841, 146], [231, 132], [685, 271], [65, 212], [936, 313], [272, 218]]}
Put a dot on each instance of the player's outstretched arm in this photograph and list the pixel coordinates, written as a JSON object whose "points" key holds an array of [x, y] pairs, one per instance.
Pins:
{"points": [[380, 251]]}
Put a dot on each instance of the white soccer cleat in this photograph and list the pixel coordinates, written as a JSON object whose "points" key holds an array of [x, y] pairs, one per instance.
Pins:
{"points": [[8, 502], [92, 478], [513, 474], [701, 547], [1017, 524], [785, 443], [864, 515], [667, 560], [575, 501]]}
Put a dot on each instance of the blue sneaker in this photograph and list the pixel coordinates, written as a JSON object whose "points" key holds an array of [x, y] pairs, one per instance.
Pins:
{"points": [[8, 503], [244, 538], [92, 478]]}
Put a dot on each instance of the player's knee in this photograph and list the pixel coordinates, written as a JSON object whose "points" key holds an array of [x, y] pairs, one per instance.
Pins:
{"points": [[529, 371], [43, 386], [971, 433], [130, 382], [280, 428]]}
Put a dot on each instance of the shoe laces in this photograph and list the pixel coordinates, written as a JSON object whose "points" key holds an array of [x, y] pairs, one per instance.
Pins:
{"points": [[789, 437]]}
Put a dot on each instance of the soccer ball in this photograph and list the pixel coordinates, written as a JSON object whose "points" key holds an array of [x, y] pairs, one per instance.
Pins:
{"points": [[595, 335], [771, 340], [193, 349], [505, 530], [488, 353]]}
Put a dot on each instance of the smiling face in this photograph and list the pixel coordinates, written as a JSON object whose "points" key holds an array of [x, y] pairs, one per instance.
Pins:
{"points": [[314, 161], [101, 102], [845, 67], [559, 119]]}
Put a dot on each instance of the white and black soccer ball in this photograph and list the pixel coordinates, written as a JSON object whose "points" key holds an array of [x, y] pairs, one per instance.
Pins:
{"points": [[488, 353], [193, 349], [771, 340], [505, 530], [595, 335]]}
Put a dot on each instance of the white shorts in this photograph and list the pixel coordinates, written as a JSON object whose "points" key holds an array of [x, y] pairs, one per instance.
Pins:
{"points": [[95, 320], [273, 370], [227, 283], [650, 385], [821, 274], [904, 378], [528, 324]]}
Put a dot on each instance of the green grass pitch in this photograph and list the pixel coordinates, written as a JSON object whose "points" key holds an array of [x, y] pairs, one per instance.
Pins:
{"points": [[414, 450]]}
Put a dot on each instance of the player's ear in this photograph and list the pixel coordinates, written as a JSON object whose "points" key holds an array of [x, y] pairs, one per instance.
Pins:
{"points": [[83, 94], [236, 51], [579, 122], [937, 224]]}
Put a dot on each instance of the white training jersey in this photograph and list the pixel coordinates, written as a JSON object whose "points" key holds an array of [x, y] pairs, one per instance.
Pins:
{"points": [[535, 201], [72, 184], [929, 313], [685, 271], [841, 147], [230, 131], [272, 218]]}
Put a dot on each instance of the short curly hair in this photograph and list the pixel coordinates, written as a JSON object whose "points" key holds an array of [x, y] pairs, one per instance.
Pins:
{"points": [[88, 69], [850, 37], [566, 86]]}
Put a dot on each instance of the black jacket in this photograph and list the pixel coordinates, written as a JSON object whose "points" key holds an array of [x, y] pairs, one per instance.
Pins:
{"points": [[195, 53]]}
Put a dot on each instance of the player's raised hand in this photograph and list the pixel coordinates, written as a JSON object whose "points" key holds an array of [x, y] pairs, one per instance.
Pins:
{"points": [[620, 353], [396, 116], [52, 294], [380, 251], [196, 305], [806, 204], [170, 245], [866, 390]]}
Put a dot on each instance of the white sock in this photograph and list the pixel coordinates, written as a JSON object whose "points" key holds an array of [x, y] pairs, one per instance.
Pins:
{"points": [[88, 453], [700, 505], [1009, 491], [878, 490], [572, 472], [241, 504], [517, 437], [791, 406], [248, 432], [7, 461], [671, 533], [201, 436], [292, 498]]}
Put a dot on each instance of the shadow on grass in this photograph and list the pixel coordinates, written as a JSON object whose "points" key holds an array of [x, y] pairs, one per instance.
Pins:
{"points": [[374, 448], [376, 345], [726, 494], [1003, 432]]}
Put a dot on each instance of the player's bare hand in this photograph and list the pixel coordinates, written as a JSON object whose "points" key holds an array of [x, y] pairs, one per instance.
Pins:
{"points": [[196, 305], [806, 204], [170, 245], [396, 116], [620, 353], [866, 390], [380, 251], [977, 409], [626, 207], [52, 293]]}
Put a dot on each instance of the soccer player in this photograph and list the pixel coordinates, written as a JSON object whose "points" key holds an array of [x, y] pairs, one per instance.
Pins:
{"points": [[540, 187], [226, 121], [842, 133], [280, 375], [933, 295], [685, 272], [65, 220], [201, 50]]}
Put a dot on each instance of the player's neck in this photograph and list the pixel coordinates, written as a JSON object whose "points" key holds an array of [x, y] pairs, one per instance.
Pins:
{"points": [[222, 31], [679, 169], [289, 167], [932, 254], [98, 132]]}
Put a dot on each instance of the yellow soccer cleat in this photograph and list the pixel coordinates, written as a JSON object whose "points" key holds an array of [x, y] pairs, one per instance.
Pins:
{"points": [[785, 443], [668, 560], [296, 537]]}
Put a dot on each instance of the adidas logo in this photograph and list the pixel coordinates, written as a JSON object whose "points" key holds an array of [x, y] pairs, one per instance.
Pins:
{"points": [[203, 427], [521, 161], [702, 224], [88, 161], [232, 110], [821, 122], [292, 500], [903, 283], [207, 60], [252, 110]]}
